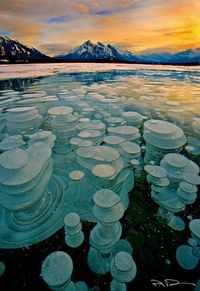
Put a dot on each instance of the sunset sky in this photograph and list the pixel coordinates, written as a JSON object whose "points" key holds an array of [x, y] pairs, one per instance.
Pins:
{"points": [[57, 26]]}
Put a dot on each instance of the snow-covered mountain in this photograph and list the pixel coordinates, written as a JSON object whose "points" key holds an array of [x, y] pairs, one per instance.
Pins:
{"points": [[188, 56], [163, 57], [191, 56], [89, 51], [12, 51]]}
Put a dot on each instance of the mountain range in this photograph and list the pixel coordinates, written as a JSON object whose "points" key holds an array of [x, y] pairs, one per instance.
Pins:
{"points": [[191, 56], [12, 51]]}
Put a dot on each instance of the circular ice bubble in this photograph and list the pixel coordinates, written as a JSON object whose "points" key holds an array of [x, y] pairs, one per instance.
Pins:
{"points": [[84, 120], [72, 219], [106, 198], [114, 120], [41, 135], [189, 217], [160, 127], [134, 162], [14, 159], [57, 269], [60, 110], [194, 227], [191, 178], [107, 208], [156, 171], [11, 142], [123, 267], [103, 171], [189, 188], [76, 175], [89, 133], [124, 130], [130, 147], [99, 153], [192, 242], [131, 114], [74, 141], [85, 143], [189, 148], [123, 261], [176, 223], [20, 109], [185, 257], [113, 140], [176, 160]]}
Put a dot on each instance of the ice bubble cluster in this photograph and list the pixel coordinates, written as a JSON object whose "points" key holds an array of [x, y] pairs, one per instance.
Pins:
{"points": [[162, 137], [75, 155], [56, 155], [188, 256], [73, 233], [174, 186]]}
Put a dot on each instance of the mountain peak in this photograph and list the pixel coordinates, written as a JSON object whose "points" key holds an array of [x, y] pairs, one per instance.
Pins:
{"points": [[100, 44], [109, 45], [88, 42], [89, 51]]}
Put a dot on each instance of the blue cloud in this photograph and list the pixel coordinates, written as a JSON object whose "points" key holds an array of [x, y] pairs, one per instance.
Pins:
{"points": [[6, 33], [59, 19], [102, 12]]}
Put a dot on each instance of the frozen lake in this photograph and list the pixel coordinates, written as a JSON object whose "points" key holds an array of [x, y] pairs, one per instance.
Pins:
{"points": [[86, 123], [164, 91], [35, 70]]}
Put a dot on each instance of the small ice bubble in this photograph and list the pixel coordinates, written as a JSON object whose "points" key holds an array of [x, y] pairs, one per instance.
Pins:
{"points": [[2, 268], [189, 217], [189, 148], [192, 242]]}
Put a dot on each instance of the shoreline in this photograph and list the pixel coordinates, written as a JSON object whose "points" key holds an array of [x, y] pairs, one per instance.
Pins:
{"points": [[100, 62], [13, 71]]}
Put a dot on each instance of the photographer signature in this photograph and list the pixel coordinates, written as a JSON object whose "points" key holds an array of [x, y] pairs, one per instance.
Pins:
{"points": [[169, 283]]}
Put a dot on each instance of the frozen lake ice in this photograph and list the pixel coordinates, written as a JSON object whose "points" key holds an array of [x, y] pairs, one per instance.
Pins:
{"points": [[70, 130]]}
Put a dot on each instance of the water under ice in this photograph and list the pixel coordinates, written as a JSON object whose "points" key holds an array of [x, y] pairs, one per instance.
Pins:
{"points": [[66, 137]]}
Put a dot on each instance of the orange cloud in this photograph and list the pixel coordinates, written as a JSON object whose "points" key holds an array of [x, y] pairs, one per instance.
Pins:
{"points": [[81, 7], [149, 24], [95, 5], [110, 20], [25, 30]]}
